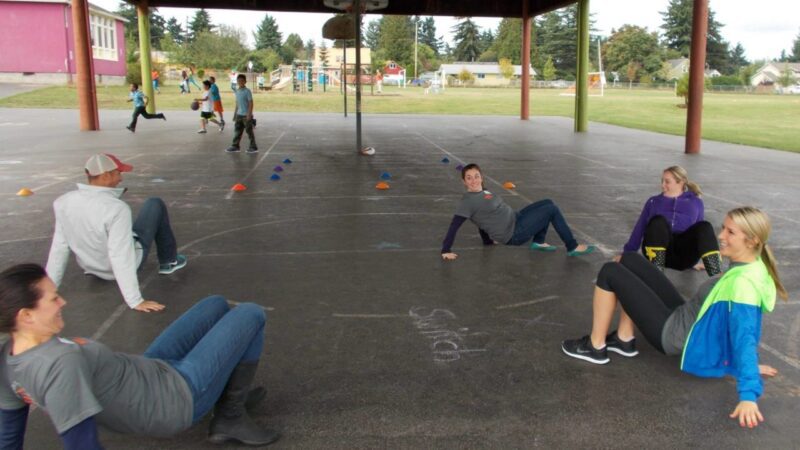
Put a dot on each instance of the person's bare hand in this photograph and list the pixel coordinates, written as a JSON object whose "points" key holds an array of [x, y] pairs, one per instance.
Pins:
{"points": [[617, 258], [767, 371], [449, 256], [747, 413], [149, 306]]}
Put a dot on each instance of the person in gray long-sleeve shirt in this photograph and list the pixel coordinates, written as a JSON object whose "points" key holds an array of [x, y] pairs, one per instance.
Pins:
{"points": [[499, 223]]}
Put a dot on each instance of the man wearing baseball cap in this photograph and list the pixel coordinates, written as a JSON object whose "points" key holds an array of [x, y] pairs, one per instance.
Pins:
{"points": [[97, 226]]}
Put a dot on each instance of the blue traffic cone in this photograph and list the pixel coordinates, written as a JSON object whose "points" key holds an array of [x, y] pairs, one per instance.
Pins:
{"points": [[445, 160], [275, 177], [386, 176]]}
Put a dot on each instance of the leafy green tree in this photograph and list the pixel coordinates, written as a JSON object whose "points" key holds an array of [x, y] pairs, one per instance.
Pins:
{"points": [[428, 59], [157, 24], [795, 57], [746, 73], [466, 77], [323, 54], [631, 71], [217, 51], [508, 43], [677, 28], [506, 68], [175, 30], [737, 58], [682, 88], [264, 60], [397, 40], [787, 77], [267, 34], [372, 36], [467, 39], [292, 48], [549, 69], [200, 23], [555, 37], [486, 40], [309, 49], [633, 44], [427, 34]]}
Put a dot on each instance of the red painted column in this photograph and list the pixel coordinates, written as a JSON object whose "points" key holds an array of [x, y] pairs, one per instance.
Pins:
{"points": [[524, 111], [84, 67], [697, 65]]}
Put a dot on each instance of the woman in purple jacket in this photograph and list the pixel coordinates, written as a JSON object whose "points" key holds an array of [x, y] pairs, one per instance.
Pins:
{"points": [[671, 231]]}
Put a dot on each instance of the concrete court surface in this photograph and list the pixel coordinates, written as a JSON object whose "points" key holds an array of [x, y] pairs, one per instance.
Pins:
{"points": [[372, 340]]}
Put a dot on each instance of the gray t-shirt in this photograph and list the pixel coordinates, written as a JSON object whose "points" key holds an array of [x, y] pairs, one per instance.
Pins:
{"points": [[490, 213], [243, 99], [676, 328], [76, 379]]}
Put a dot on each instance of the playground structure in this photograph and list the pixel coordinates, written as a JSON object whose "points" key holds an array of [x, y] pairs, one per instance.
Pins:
{"points": [[302, 76]]}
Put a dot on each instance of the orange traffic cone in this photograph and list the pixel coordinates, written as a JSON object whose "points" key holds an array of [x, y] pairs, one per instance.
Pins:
{"points": [[382, 186], [509, 185], [24, 192], [239, 187]]}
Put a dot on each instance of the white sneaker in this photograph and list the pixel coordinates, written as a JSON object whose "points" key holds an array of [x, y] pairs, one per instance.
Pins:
{"points": [[201, 131]]}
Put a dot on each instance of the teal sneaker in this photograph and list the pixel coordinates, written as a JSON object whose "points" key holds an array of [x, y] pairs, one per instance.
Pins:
{"points": [[542, 247], [168, 268], [589, 249]]}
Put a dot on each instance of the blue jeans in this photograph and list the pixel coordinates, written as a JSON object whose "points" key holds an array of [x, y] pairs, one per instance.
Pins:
{"points": [[533, 220], [206, 343], [152, 224]]}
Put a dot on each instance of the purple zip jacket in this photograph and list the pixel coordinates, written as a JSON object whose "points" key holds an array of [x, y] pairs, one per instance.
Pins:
{"points": [[681, 212]]}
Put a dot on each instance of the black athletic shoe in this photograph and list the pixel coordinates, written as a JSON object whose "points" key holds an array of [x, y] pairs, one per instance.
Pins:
{"points": [[232, 149], [582, 349], [614, 344], [252, 150], [131, 129]]}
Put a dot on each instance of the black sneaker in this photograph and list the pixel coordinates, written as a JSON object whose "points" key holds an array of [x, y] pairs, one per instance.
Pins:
{"points": [[233, 149], [616, 345], [130, 129], [582, 349], [252, 150]]}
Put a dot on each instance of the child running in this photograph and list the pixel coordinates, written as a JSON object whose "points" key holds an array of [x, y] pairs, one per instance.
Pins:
{"points": [[206, 109]]}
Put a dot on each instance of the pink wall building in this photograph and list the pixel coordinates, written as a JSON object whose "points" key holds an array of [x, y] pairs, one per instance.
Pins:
{"points": [[38, 43]]}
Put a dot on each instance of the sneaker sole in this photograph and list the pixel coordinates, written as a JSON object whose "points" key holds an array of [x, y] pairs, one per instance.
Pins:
{"points": [[585, 358], [171, 269], [622, 352]]}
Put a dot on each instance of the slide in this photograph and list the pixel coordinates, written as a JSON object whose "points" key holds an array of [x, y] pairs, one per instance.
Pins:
{"points": [[282, 83]]}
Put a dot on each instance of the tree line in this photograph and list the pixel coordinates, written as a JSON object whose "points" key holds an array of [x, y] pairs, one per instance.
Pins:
{"points": [[633, 53]]}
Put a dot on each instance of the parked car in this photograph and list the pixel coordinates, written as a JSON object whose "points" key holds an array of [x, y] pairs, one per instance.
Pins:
{"points": [[794, 89]]}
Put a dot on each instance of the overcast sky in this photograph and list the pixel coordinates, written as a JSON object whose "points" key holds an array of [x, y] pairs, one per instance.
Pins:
{"points": [[764, 28]]}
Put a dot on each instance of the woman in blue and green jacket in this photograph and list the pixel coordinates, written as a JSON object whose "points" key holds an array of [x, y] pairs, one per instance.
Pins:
{"points": [[716, 331]]}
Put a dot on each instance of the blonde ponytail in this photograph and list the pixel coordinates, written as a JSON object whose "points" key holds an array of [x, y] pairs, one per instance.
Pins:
{"points": [[756, 226], [769, 260], [681, 175]]}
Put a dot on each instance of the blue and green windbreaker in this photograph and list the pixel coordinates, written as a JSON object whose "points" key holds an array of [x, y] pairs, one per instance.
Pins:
{"points": [[724, 337]]}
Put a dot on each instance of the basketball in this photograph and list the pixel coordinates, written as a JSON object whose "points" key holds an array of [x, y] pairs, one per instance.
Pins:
{"points": [[195, 106]]}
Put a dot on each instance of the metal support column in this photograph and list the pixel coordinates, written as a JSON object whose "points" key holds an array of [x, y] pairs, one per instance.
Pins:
{"points": [[524, 111], [357, 13], [581, 78], [84, 67], [697, 65], [144, 55]]}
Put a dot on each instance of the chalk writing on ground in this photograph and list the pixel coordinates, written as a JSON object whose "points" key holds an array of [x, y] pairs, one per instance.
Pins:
{"points": [[448, 342]]}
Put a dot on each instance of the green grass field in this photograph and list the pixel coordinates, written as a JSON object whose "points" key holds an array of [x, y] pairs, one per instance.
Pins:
{"points": [[760, 120]]}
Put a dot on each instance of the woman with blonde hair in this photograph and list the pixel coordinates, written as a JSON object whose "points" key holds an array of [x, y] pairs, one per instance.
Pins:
{"points": [[716, 331], [671, 230]]}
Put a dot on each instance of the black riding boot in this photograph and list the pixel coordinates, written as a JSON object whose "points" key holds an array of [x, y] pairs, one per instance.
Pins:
{"points": [[231, 422]]}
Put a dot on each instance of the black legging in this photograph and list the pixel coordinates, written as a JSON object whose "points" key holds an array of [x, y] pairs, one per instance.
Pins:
{"points": [[683, 249], [644, 293]]}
